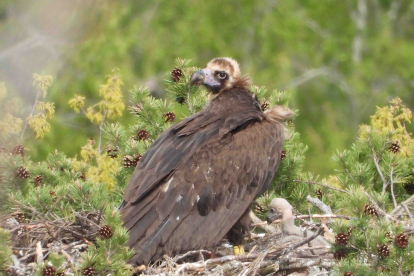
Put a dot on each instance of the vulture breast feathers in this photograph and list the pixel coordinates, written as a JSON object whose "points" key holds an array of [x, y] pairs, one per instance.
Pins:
{"points": [[200, 176]]}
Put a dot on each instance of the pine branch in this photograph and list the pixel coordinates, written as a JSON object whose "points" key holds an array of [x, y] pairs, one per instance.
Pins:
{"points": [[320, 184], [381, 211]]}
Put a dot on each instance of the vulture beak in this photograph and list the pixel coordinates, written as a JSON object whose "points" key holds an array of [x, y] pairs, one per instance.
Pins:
{"points": [[272, 217], [205, 77]]}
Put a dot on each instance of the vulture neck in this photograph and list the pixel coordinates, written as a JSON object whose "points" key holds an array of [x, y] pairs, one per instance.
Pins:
{"points": [[288, 224], [234, 101]]}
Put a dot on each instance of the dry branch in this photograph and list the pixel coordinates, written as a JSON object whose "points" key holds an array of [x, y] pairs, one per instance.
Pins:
{"points": [[310, 216]]}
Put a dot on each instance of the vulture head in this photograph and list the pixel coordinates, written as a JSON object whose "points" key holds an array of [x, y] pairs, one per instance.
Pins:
{"points": [[220, 74], [279, 208]]}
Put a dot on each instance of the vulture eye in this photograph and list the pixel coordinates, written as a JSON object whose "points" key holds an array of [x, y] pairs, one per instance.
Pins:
{"points": [[272, 210], [222, 75]]}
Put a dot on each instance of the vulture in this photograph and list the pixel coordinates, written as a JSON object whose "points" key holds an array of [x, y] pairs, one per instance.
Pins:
{"points": [[196, 182]]}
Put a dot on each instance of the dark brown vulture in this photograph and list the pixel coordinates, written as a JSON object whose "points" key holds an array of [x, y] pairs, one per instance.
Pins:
{"points": [[196, 182]]}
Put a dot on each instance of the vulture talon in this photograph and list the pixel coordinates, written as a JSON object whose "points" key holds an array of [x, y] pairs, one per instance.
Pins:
{"points": [[238, 250]]}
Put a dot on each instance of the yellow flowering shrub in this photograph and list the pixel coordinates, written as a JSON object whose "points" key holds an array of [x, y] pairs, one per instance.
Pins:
{"points": [[47, 108], [101, 167], [104, 171], [112, 95], [112, 103], [77, 103], [39, 125], [392, 119], [42, 83], [88, 152], [10, 125]]}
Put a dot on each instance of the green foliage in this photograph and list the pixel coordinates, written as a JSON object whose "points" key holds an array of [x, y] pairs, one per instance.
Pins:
{"points": [[308, 48], [369, 173], [5, 251]]}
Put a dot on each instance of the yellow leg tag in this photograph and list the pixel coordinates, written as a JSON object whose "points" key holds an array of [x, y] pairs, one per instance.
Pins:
{"points": [[238, 250]]}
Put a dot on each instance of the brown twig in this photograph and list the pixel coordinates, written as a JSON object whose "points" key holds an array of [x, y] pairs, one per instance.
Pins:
{"points": [[313, 216], [273, 253], [392, 188]]}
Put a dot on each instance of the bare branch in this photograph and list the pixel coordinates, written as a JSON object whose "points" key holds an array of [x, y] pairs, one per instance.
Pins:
{"points": [[307, 216], [31, 114], [384, 182], [392, 188], [319, 204], [408, 213]]}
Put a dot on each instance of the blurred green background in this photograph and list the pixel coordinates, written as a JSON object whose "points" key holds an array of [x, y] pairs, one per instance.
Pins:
{"points": [[340, 59]]}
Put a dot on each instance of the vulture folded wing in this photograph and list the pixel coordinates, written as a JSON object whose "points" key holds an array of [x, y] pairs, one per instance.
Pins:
{"points": [[189, 196]]}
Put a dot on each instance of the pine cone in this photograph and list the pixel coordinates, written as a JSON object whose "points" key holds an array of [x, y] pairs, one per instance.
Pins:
{"points": [[48, 271], [142, 134], [395, 147], [136, 109], [131, 161], [105, 232], [383, 250], [319, 193], [401, 240], [20, 217], [409, 188], [112, 152], [169, 116], [83, 176], [349, 273], [176, 74], [22, 173], [88, 271], [350, 229], [38, 180], [265, 104], [18, 150], [180, 100], [258, 208], [370, 210], [3, 150], [339, 255], [388, 235], [342, 238], [11, 272], [283, 155]]}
